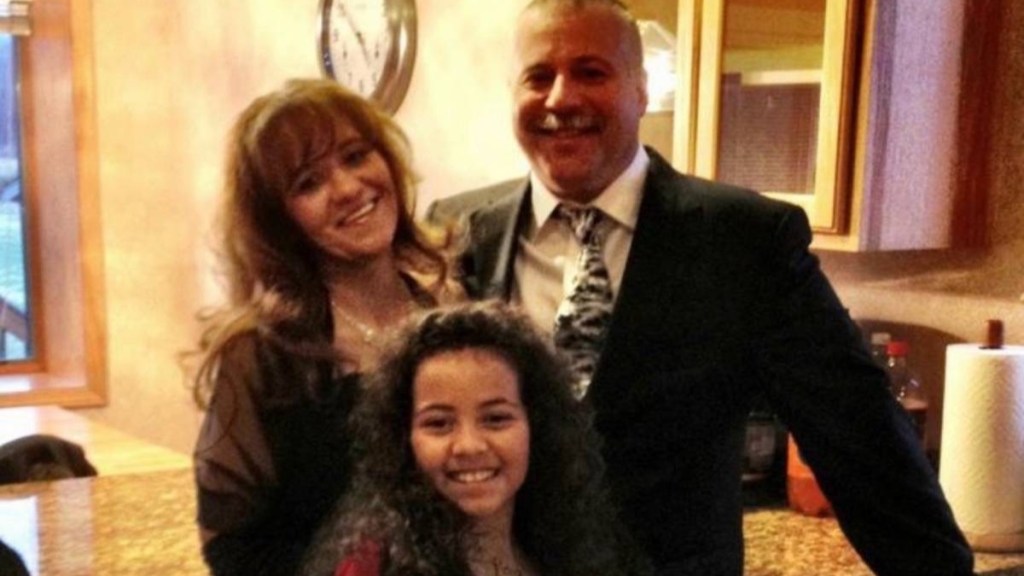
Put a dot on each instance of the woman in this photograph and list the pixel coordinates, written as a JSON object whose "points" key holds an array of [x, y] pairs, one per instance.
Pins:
{"points": [[321, 255], [474, 460]]}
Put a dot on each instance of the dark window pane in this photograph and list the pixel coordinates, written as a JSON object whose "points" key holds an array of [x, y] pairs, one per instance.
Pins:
{"points": [[769, 134]]}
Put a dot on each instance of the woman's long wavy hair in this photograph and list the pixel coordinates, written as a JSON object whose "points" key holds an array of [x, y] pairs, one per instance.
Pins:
{"points": [[273, 271], [563, 520]]}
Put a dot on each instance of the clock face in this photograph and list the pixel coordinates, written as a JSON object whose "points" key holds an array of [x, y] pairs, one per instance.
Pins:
{"points": [[369, 46]]}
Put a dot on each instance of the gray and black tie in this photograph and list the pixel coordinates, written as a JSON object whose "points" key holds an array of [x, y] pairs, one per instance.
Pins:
{"points": [[583, 316]]}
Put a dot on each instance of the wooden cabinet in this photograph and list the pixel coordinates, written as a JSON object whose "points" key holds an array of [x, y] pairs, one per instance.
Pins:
{"points": [[774, 101], [847, 108]]}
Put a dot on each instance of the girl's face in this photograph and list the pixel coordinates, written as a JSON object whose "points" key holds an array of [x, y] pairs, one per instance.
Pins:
{"points": [[346, 202], [470, 434]]}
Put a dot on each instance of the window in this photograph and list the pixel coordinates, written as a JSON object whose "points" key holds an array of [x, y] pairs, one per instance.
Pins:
{"points": [[58, 355], [15, 303]]}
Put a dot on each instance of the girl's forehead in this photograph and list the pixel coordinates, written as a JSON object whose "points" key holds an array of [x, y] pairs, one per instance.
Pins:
{"points": [[467, 373]]}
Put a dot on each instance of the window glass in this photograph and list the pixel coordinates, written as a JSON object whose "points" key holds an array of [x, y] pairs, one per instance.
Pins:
{"points": [[15, 324], [771, 87]]}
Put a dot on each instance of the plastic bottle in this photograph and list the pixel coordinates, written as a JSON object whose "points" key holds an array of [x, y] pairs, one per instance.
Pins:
{"points": [[906, 387], [879, 347]]}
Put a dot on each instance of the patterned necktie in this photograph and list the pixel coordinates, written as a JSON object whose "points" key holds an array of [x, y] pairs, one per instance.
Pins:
{"points": [[584, 314]]}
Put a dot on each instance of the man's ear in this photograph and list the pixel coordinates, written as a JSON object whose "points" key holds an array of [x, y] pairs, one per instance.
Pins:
{"points": [[642, 87]]}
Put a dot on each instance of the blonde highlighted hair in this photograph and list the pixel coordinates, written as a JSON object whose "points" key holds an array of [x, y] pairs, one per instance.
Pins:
{"points": [[272, 270]]}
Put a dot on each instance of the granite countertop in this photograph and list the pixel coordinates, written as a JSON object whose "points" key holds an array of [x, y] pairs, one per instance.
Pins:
{"points": [[119, 525], [780, 542], [145, 524]]}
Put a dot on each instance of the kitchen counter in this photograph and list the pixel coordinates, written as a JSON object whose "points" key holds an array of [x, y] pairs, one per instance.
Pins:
{"points": [[144, 524], [118, 525], [780, 542]]}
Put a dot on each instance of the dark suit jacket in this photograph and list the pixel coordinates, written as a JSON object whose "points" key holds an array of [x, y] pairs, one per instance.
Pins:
{"points": [[721, 300]]}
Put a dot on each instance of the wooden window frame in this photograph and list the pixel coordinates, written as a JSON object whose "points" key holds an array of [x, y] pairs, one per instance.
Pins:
{"points": [[61, 194]]}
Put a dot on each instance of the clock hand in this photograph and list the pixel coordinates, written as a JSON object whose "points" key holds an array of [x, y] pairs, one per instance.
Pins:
{"points": [[359, 34]]}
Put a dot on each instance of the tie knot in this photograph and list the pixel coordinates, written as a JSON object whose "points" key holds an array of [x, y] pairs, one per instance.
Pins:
{"points": [[583, 221]]}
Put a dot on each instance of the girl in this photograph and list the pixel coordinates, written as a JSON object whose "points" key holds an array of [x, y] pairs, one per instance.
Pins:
{"points": [[474, 460]]}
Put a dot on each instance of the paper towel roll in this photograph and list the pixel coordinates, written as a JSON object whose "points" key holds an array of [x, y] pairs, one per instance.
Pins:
{"points": [[982, 467]]}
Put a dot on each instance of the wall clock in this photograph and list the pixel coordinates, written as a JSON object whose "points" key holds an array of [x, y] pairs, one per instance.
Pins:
{"points": [[369, 46]]}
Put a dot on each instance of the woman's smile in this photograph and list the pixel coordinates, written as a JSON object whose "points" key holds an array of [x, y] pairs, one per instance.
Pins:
{"points": [[361, 213]]}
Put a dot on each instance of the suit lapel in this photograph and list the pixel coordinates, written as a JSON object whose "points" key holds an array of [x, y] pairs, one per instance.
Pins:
{"points": [[495, 229], [665, 251]]}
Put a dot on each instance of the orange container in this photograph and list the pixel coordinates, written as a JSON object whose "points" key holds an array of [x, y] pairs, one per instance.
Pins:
{"points": [[802, 489]]}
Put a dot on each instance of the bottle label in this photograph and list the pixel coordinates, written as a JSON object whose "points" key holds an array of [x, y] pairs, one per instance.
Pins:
{"points": [[917, 409]]}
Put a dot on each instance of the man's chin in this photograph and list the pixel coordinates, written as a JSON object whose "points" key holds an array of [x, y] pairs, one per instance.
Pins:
{"points": [[573, 186]]}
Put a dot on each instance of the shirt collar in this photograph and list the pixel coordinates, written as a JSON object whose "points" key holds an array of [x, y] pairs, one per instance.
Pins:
{"points": [[620, 200]]}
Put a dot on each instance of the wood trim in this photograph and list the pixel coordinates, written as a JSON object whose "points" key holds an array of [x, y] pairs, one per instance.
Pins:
{"points": [[822, 214], [712, 28], [687, 65], [835, 125], [89, 206], [42, 389], [861, 106], [979, 70]]}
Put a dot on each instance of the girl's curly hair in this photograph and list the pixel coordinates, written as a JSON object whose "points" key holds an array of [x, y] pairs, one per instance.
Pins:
{"points": [[563, 520]]}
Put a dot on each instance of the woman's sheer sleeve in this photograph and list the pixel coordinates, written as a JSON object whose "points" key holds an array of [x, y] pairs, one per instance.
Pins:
{"points": [[234, 471]]}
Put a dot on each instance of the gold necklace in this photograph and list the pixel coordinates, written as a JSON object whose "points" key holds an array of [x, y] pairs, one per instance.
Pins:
{"points": [[367, 333]]}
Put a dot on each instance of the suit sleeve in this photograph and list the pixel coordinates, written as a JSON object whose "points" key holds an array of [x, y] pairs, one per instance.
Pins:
{"points": [[853, 434]]}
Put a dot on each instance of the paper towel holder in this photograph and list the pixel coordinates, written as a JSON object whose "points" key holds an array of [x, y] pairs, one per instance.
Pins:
{"points": [[993, 334]]}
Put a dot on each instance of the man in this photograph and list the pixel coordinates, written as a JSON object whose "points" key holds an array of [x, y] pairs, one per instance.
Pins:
{"points": [[716, 300]]}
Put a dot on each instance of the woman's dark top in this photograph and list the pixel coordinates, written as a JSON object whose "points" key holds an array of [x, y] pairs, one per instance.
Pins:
{"points": [[270, 461]]}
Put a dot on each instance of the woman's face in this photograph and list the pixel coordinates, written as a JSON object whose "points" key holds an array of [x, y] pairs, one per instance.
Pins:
{"points": [[346, 202], [470, 434]]}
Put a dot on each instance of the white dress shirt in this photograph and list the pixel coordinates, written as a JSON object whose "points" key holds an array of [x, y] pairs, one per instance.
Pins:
{"points": [[546, 258]]}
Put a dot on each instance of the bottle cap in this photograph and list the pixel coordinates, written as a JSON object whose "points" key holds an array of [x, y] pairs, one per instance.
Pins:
{"points": [[897, 348], [994, 334]]}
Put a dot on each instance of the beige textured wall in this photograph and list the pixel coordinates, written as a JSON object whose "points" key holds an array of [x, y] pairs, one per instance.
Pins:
{"points": [[171, 75], [458, 111]]}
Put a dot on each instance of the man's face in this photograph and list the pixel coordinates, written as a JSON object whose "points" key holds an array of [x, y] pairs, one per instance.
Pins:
{"points": [[579, 92]]}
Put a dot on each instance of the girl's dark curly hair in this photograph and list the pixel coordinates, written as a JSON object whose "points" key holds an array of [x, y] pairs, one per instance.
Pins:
{"points": [[563, 520]]}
